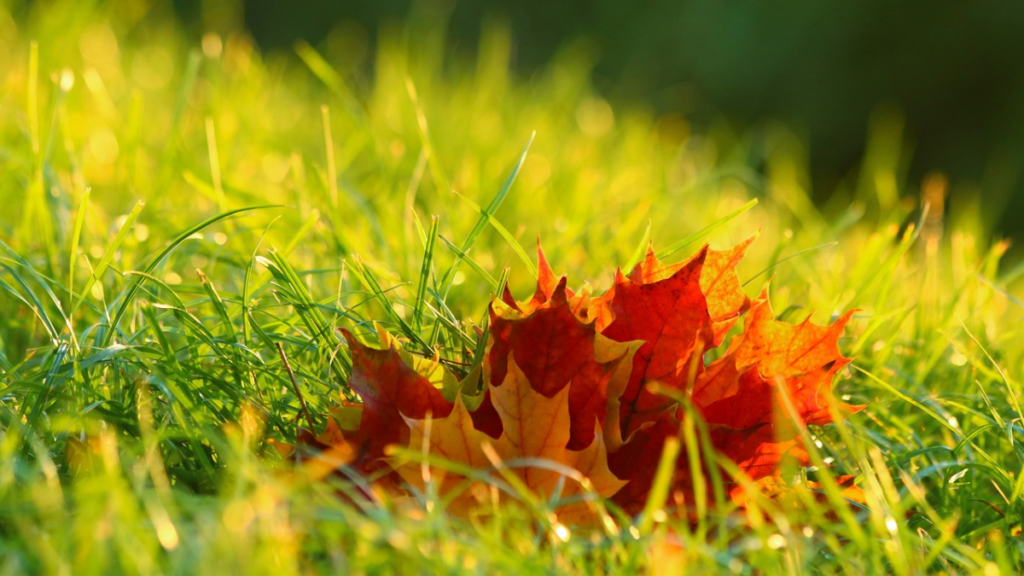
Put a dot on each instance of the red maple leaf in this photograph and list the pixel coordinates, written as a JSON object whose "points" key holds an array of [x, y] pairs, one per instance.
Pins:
{"points": [[390, 389]]}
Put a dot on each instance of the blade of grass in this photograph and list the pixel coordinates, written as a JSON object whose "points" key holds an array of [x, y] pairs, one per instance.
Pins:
{"points": [[312, 317], [460, 255], [247, 284], [108, 254], [76, 236], [481, 223], [640, 248], [660, 486], [673, 248], [134, 286], [790, 257], [421, 287], [326, 73], [365, 276], [34, 305], [436, 169], [512, 242]]}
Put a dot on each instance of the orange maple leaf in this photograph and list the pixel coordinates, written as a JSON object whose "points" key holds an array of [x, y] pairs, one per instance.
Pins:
{"points": [[741, 398], [536, 433]]}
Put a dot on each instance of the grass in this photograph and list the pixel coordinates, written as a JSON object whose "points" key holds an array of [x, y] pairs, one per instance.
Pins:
{"points": [[183, 216]]}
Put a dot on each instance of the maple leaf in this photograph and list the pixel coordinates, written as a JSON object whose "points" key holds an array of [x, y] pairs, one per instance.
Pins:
{"points": [[536, 432], [741, 398], [719, 283], [759, 452], [328, 451], [785, 349], [679, 311], [741, 389], [390, 389], [555, 350], [547, 283], [670, 316], [393, 385]]}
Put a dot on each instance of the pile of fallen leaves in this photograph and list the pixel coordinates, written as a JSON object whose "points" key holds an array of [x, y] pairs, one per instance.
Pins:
{"points": [[579, 394]]}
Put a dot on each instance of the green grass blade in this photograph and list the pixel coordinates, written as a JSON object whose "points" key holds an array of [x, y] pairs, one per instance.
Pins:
{"points": [[484, 219], [421, 287], [363, 274], [76, 235], [35, 305], [309, 310], [326, 73], [108, 254], [462, 256], [436, 168], [516, 247], [43, 283], [133, 288], [661, 485], [641, 248], [788, 258], [673, 248]]}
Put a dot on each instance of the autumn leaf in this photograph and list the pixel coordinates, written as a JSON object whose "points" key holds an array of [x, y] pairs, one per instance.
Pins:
{"points": [[390, 389], [784, 349], [719, 283], [670, 316], [547, 283], [788, 497], [536, 432], [679, 311], [742, 388], [555, 350], [740, 397]]}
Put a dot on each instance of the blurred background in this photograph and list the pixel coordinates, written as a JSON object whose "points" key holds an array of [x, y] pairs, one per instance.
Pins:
{"points": [[940, 86], [829, 115]]}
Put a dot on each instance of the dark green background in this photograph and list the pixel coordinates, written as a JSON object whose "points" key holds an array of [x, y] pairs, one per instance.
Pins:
{"points": [[955, 70]]}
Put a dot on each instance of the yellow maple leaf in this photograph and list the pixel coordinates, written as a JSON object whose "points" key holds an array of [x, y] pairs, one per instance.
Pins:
{"points": [[532, 447]]}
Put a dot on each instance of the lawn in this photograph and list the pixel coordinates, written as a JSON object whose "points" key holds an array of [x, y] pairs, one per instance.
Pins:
{"points": [[184, 216]]}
